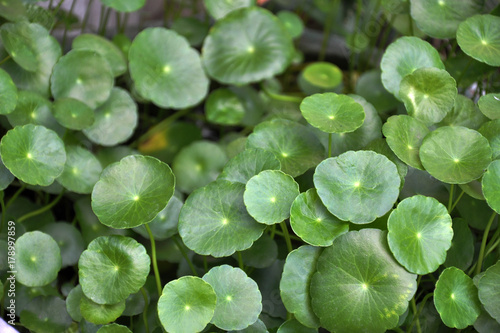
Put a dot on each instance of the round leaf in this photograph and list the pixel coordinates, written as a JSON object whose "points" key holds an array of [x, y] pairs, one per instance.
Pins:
{"points": [[403, 57], [312, 222], [488, 291], [73, 303], [479, 37], [224, 107], [132, 192], [357, 186], [115, 120], [164, 225], [34, 154], [247, 45], [81, 171], [8, 93], [380, 146], [464, 113], [38, 259], [491, 131], [428, 93], [333, 113], [491, 185], [249, 163], [239, 301], [440, 19], [111, 268], [269, 195], [292, 22], [113, 55], [455, 154], [100, 313], [198, 164], [404, 136], [420, 233], [320, 77], [73, 114], [214, 220], [218, 9], [166, 70], [456, 298], [114, 328], [294, 145], [489, 105], [191, 28], [295, 283], [358, 286], [186, 305], [124, 6], [68, 239], [45, 314], [369, 86], [84, 75]]}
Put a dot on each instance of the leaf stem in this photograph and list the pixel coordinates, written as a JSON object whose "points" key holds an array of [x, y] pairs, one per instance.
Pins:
{"points": [[43, 209], [184, 254], [240, 261], [14, 197], [273, 231], [326, 31], [415, 315], [456, 201], [287, 236], [86, 16], [4, 59], [292, 237], [450, 199], [155, 264], [329, 144], [145, 312], [421, 307], [483, 243]]}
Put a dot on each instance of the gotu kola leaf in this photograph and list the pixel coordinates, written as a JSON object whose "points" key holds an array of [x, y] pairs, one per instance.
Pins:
{"points": [[479, 37]]}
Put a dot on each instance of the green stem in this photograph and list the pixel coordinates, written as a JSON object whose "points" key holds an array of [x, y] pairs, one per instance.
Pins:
{"points": [[492, 247], [483, 243], [273, 231], [295, 238], [86, 16], [124, 23], [145, 312], [420, 308], [280, 97], [43, 209], [4, 59], [2, 205], [493, 238], [414, 308], [184, 254], [450, 199], [456, 201], [56, 11], [14, 197], [329, 144], [240, 261], [326, 31], [155, 263], [287, 236]]}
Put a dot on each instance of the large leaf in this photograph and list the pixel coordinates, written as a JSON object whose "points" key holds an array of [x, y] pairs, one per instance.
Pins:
{"points": [[479, 37], [358, 286]]}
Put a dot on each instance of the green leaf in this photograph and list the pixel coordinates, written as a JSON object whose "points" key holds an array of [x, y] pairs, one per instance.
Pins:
{"points": [[488, 291], [489, 105], [319, 77], [456, 298], [164, 225], [198, 164], [312, 222], [403, 57], [68, 239], [40, 15], [479, 37], [192, 29], [269, 195], [73, 303], [455, 154], [380, 146], [464, 113], [428, 93], [132, 192], [249, 163], [83, 75], [218, 9], [6, 177], [357, 186], [358, 286], [261, 254], [239, 301], [8, 93], [45, 314], [404, 136], [440, 19], [214, 220], [12, 10], [81, 171], [114, 328], [186, 305], [38, 259], [166, 70], [34, 154], [294, 145], [73, 114], [333, 113], [292, 23], [113, 55], [115, 120], [224, 107], [111, 268], [295, 283], [124, 6], [420, 233], [369, 86], [491, 185], [247, 45], [100, 313], [461, 252], [294, 326], [257, 327]]}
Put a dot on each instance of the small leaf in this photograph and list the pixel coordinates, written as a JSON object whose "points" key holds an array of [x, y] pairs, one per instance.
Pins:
{"points": [[224, 107], [81, 171], [8, 93], [249, 163], [218, 9], [114, 328], [73, 114], [100, 313], [488, 291], [491, 131], [489, 105], [491, 185]]}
